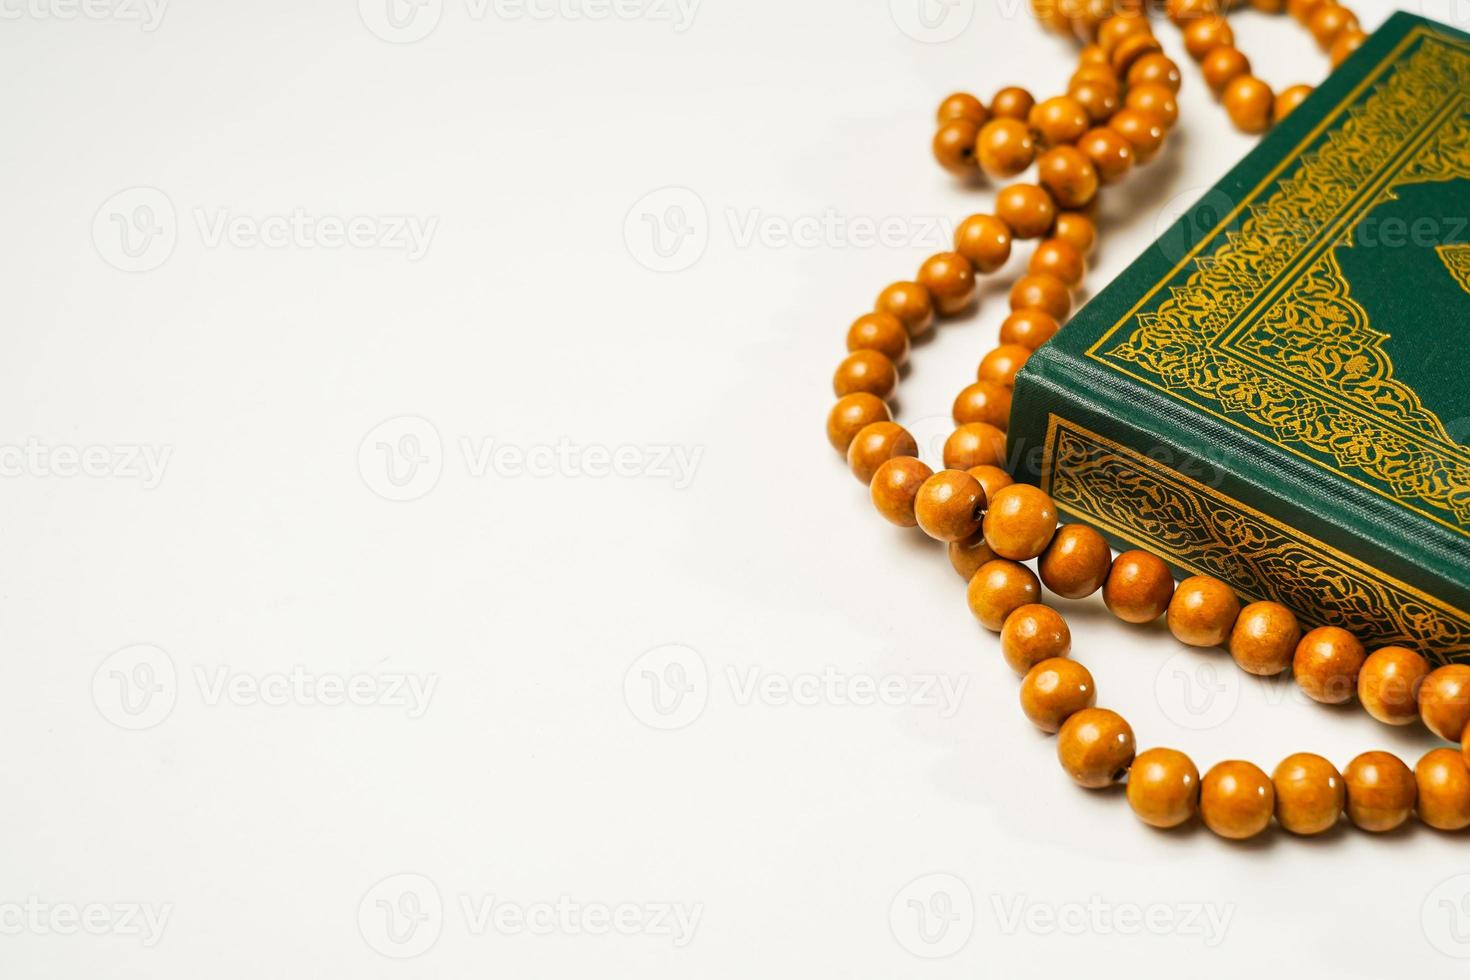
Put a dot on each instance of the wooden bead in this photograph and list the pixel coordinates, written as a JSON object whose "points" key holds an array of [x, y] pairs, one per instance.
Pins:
{"points": [[1027, 210], [1444, 700], [1076, 562], [1202, 611], [1328, 21], [910, 303], [949, 505], [962, 105], [984, 401], [1028, 328], [1092, 55], [992, 479], [1098, 99], [954, 147], [1060, 119], [1138, 587], [1388, 685], [865, 370], [974, 444], [1288, 100], [1163, 788], [1055, 257], [1345, 44], [1326, 664], [1115, 29], [1222, 65], [1042, 292], [1031, 634], [1269, 6], [1076, 230], [1020, 522], [1055, 690], [1155, 69], [1380, 791], [984, 240], [881, 332], [895, 486], [997, 589], [1012, 103], [1005, 147], [1204, 34], [1465, 745], [1181, 12], [874, 445], [1068, 175], [1310, 794], [1442, 790], [1100, 74], [1301, 10], [1095, 747], [968, 555], [1264, 638], [1156, 100], [850, 415], [1110, 154], [1236, 800], [1002, 363], [1133, 49], [950, 280], [1143, 130], [1249, 102]]}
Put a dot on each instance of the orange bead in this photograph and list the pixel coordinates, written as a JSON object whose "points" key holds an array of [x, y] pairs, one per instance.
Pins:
{"points": [[1020, 522], [954, 147], [1028, 328], [1011, 103], [1092, 55], [1005, 147], [1055, 690], [949, 505], [1328, 21], [1076, 562], [1156, 100], [984, 240], [1155, 69], [974, 444], [1042, 292], [984, 401], [1143, 130], [1264, 638], [1099, 73], [950, 280], [1055, 257], [1163, 788], [1181, 12], [1202, 611], [1301, 10], [992, 479], [910, 303], [1380, 791], [1236, 800], [1204, 34], [1031, 634], [1098, 99], [1345, 44], [865, 370], [895, 486], [1002, 363], [1269, 6], [850, 415], [1110, 154], [1443, 790], [1289, 100], [1027, 210], [881, 332], [1326, 664], [1133, 49], [1095, 747], [997, 589], [874, 445], [962, 105], [1444, 701], [1060, 119], [1310, 794], [1138, 587], [1076, 230], [1249, 103], [968, 555], [1222, 65], [1115, 29], [1388, 685], [1068, 175]]}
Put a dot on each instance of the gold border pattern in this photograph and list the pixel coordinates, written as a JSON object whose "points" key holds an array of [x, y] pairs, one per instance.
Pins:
{"points": [[1456, 259]]}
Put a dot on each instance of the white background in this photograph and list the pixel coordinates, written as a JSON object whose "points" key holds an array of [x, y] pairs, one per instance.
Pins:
{"points": [[527, 327]]}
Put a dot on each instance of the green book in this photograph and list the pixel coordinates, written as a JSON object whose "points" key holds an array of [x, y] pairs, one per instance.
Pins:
{"points": [[1277, 392]]}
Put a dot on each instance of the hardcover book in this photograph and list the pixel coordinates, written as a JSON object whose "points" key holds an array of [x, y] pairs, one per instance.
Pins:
{"points": [[1277, 392]]}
